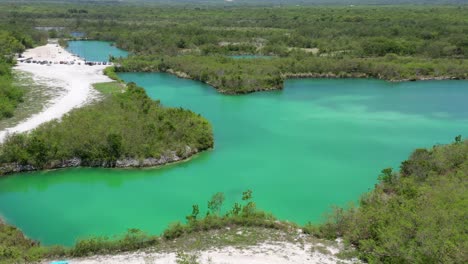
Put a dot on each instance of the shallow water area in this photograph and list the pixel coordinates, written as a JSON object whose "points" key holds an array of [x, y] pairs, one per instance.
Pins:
{"points": [[93, 50], [317, 143]]}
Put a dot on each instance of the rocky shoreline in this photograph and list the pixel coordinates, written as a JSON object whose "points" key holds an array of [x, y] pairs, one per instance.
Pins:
{"points": [[290, 75], [184, 75], [314, 75], [169, 157], [364, 76]]}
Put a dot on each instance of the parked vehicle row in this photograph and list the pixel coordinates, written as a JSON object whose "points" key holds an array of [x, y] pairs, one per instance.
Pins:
{"points": [[45, 62]]}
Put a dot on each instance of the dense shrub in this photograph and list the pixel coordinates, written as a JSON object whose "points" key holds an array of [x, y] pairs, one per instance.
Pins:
{"points": [[134, 239], [248, 75], [13, 40], [241, 214], [415, 216]]}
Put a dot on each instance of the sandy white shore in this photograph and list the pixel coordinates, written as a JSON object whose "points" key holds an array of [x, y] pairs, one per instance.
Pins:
{"points": [[76, 81], [266, 253]]}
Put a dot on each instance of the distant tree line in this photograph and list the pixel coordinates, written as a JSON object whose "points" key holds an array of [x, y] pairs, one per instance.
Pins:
{"points": [[391, 43]]}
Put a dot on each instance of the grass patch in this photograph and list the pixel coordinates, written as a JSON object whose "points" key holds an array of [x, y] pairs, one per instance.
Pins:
{"points": [[37, 94], [109, 87]]}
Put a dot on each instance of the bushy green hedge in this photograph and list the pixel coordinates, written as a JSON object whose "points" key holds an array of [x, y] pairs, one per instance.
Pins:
{"points": [[241, 214], [134, 239]]}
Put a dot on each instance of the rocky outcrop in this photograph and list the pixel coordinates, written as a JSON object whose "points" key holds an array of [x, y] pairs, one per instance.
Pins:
{"points": [[10, 168], [179, 74], [168, 157]]}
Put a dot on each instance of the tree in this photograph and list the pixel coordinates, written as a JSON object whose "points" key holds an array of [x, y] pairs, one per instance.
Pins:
{"points": [[195, 211], [386, 176], [181, 44], [114, 142], [216, 202], [250, 207], [247, 195]]}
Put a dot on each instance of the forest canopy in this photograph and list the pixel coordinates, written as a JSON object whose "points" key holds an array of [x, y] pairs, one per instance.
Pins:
{"points": [[386, 42]]}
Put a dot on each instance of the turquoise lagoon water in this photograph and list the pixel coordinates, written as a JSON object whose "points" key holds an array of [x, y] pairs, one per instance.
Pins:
{"points": [[95, 50], [315, 144]]}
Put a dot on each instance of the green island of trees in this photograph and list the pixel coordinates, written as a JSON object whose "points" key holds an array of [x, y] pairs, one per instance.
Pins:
{"points": [[125, 129], [417, 215]]}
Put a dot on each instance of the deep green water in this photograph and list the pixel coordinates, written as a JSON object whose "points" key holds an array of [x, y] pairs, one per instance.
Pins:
{"points": [[95, 50], [301, 150]]}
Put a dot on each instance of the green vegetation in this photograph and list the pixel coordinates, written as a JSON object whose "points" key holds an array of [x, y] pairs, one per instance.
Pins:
{"points": [[415, 216], [35, 96], [15, 37], [110, 72], [226, 74], [109, 87], [10, 95], [123, 126], [246, 215], [13, 245], [248, 75], [387, 42]]}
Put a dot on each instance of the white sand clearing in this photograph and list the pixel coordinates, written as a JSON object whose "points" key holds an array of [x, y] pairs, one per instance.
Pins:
{"points": [[266, 253], [76, 81]]}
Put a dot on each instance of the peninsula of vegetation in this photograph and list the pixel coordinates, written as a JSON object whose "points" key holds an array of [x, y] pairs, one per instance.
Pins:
{"points": [[125, 129], [121, 127]]}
